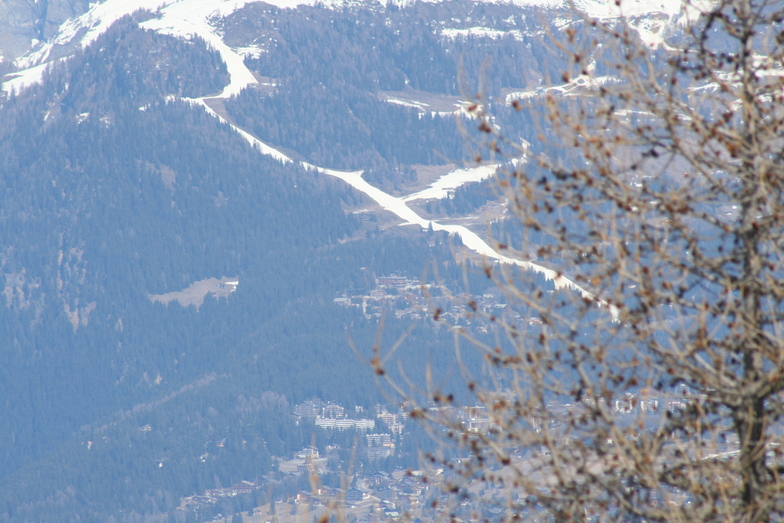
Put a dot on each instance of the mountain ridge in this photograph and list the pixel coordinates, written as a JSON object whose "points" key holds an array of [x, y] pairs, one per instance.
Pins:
{"points": [[81, 30]]}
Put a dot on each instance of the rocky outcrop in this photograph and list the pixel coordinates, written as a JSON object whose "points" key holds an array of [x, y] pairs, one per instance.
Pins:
{"points": [[26, 23]]}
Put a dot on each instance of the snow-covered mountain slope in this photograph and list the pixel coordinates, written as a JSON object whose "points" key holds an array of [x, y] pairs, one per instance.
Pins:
{"points": [[184, 18], [198, 17]]}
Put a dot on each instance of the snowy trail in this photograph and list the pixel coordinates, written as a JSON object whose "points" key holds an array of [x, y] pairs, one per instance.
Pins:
{"points": [[469, 238], [399, 207], [188, 18]]}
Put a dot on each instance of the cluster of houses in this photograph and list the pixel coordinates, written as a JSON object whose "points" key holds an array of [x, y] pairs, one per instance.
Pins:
{"points": [[332, 416], [404, 296], [373, 498], [408, 297], [646, 401], [212, 496], [382, 495]]}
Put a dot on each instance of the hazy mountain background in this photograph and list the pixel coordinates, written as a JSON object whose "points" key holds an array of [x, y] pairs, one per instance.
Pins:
{"points": [[116, 185], [26, 23]]}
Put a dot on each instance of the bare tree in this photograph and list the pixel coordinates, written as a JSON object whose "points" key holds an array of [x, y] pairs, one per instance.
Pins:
{"points": [[655, 396]]}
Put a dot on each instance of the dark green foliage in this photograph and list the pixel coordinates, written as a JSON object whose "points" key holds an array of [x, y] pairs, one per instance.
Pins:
{"points": [[109, 193], [330, 66], [346, 128]]}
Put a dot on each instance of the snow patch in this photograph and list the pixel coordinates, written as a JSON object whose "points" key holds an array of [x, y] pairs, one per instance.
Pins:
{"points": [[447, 184], [628, 8], [21, 80], [250, 51], [408, 103], [434, 105], [570, 88]]}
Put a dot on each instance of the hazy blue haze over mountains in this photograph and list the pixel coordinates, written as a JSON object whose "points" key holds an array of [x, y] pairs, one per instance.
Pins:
{"points": [[112, 188]]}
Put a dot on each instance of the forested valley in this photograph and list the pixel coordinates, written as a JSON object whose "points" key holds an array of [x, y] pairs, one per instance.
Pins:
{"points": [[116, 187]]}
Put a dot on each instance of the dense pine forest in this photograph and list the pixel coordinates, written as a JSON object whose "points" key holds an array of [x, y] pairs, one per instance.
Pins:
{"points": [[115, 186]]}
